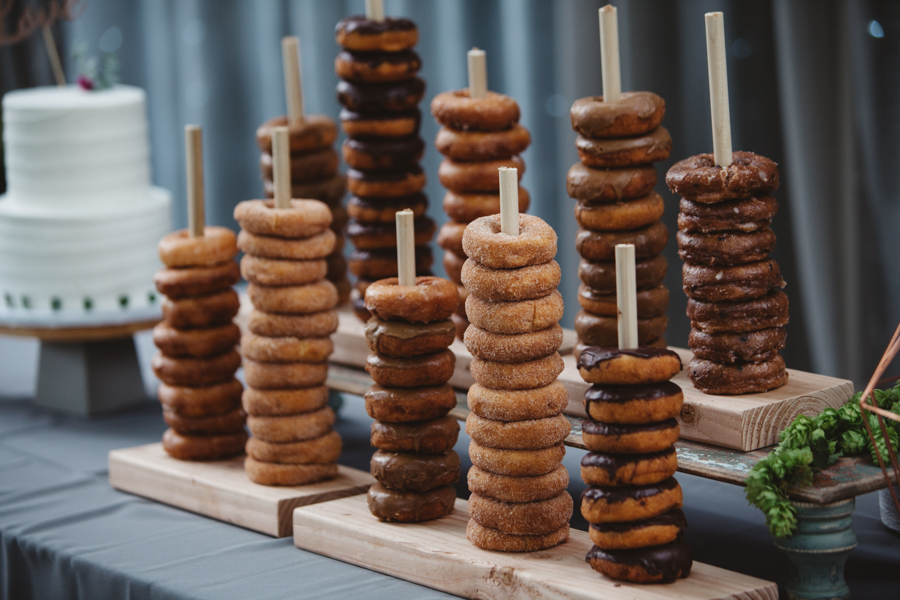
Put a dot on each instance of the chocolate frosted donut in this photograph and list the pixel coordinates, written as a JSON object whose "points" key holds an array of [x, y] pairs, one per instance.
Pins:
{"points": [[604, 331], [725, 247], [384, 153], [522, 518], [382, 263], [764, 312], [652, 302], [383, 210], [601, 276], [518, 489], [624, 152], [480, 176], [386, 183], [415, 472], [746, 215], [411, 371], [633, 404], [698, 178], [393, 405], [628, 366], [434, 436], [601, 246], [398, 338], [600, 468], [380, 124], [630, 503], [410, 507], [727, 347], [377, 66], [635, 113], [741, 282], [618, 216], [654, 531], [381, 97], [482, 145], [518, 405], [530, 434], [603, 186], [374, 236], [739, 378], [360, 34], [458, 110], [640, 438], [663, 564]]}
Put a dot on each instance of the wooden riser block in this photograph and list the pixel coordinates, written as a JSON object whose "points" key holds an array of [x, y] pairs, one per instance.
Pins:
{"points": [[746, 422], [221, 489], [438, 555]]}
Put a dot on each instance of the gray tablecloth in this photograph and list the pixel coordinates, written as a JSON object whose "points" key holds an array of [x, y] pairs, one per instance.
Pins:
{"points": [[64, 533]]}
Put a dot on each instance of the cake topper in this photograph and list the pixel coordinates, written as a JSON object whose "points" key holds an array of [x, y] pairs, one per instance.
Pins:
{"points": [[90, 77]]}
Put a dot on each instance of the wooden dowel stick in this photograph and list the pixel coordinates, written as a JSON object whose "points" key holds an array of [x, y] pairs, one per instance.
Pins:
{"points": [[50, 43], [718, 88], [609, 54], [477, 73], [626, 296], [375, 10], [509, 200], [293, 89], [193, 152], [281, 167], [406, 252]]}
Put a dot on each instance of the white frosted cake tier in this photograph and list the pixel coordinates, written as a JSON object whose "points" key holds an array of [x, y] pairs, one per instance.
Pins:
{"points": [[80, 223]]}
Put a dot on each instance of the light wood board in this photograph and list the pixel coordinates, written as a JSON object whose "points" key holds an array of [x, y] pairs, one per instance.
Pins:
{"points": [[221, 489], [438, 555]]}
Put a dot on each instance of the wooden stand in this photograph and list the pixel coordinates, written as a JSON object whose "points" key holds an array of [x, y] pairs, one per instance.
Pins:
{"points": [[221, 489], [438, 555]]}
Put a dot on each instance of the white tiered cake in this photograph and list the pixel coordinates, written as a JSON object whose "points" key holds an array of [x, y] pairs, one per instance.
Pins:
{"points": [[80, 221]]}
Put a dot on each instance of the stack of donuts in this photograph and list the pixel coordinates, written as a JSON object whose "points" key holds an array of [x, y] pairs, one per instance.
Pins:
{"points": [[288, 344], [737, 309], [477, 136], [519, 501], [632, 501], [380, 94], [409, 334], [197, 358], [314, 174], [613, 184]]}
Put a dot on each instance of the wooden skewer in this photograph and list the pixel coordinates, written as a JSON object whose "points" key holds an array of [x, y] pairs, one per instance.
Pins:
{"points": [[375, 10], [293, 88], [281, 167], [477, 60], [50, 43], [509, 200], [609, 54], [626, 296], [193, 151], [718, 88], [406, 252]]}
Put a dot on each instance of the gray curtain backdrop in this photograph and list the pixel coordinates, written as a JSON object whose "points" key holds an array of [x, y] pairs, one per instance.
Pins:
{"points": [[810, 87]]}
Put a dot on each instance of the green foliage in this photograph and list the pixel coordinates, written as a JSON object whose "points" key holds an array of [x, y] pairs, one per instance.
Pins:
{"points": [[809, 443]]}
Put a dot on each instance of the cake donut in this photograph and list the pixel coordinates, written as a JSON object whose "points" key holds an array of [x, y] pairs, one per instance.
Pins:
{"points": [[434, 436], [506, 488], [382, 210], [213, 399], [635, 113], [458, 110], [216, 246], [624, 152], [645, 403], [628, 366], [465, 207], [197, 342], [630, 503], [375, 66], [619, 438], [410, 506], [186, 282], [698, 178], [462, 145], [664, 563], [602, 469], [359, 34], [397, 338], [396, 124], [634, 214], [654, 531], [594, 187]]}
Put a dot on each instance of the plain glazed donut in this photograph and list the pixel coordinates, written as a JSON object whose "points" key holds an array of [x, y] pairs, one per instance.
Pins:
{"points": [[414, 472], [522, 518], [314, 325], [411, 371], [516, 463], [198, 343], [482, 176], [645, 533], [515, 317], [306, 166], [741, 378], [467, 207], [392, 405], [273, 403], [731, 283], [630, 503], [458, 110], [293, 299], [201, 311], [229, 422], [635, 113], [624, 152], [384, 210], [523, 376], [487, 538], [594, 330], [617, 438], [534, 245], [729, 347], [359, 34], [601, 276], [386, 184], [531, 434], [276, 376], [518, 489], [329, 190], [320, 450], [311, 248], [390, 96], [431, 299], [305, 218], [725, 247], [213, 399], [515, 347], [203, 447], [435, 436], [698, 178], [482, 145], [518, 405], [750, 214], [312, 133], [764, 312], [599, 468], [603, 186], [377, 66], [652, 302], [601, 246], [509, 285], [196, 371], [633, 404], [633, 214], [393, 124], [196, 281], [286, 349], [399, 338], [628, 366], [179, 249], [276, 271], [410, 507], [265, 473], [291, 428]]}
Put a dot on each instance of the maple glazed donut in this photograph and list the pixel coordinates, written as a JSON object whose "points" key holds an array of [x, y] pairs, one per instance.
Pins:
{"points": [[628, 366], [201, 311], [739, 282], [389, 96], [663, 564], [653, 531], [599, 468], [482, 145], [506, 285], [312, 133], [514, 348], [431, 299], [518, 489], [227, 422], [291, 428], [401, 339], [604, 186], [309, 248], [468, 206], [213, 399], [633, 404], [535, 243], [376, 66], [517, 405], [414, 472], [410, 404], [630, 503], [393, 124], [729, 347], [492, 539], [531, 434], [286, 349], [651, 302], [319, 450], [293, 299], [308, 166], [196, 281], [742, 378], [359, 34], [383, 210], [480, 176], [624, 152], [273, 403], [617, 438], [198, 343], [410, 507], [187, 371], [435, 436], [203, 447], [522, 376], [515, 317], [304, 218], [402, 182], [764, 312], [411, 371], [749, 214], [372, 236], [385, 153], [538, 517], [516, 463], [635, 113], [633, 214], [313, 325], [266, 473], [596, 330], [725, 248], [601, 245], [179, 249], [458, 110], [276, 271], [601, 275], [698, 178]]}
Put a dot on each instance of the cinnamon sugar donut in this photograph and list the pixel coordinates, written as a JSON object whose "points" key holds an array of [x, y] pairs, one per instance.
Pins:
{"points": [[482, 145], [410, 507], [312, 133], [228, 422], [493, 539], [741, 378], [467, 207], [197, 343], [305, 166], [431, 299], [481, 176], [749, 214], [392, 405], [399, 338], [203, 447], [729, 347], [304, 218], [603, 186], [376, 66], [389, 96], [618, 438], [518, 405], [179, 249], [414, 472], [393, 124], [535, 243], [286, 349], [384, 210], [598, 468], [633, 404], [698, 178], [458, 110], [523, 316], [435, 436], [291, 428], [513, 348], [601, 246], [725, 247], [508, 285], [624, 152], [651, 302], [516, 463], [634, 113], [523, 376], [201, 311], [601, 275], [266, 473], [293, 299], [411, 371], [215, 399], [630, 503], [383, 153], [594, 330], [276, 376], [196, 371], [359, 34], [628, 366], [276, 271], [387, 184], [633, 214], [310, 248], [518, 489], [654, 531], [313, 325], [273, 403], [196, 281], [531, 434], [319, 450], [522, 518], [731, 283], [764, 312]]}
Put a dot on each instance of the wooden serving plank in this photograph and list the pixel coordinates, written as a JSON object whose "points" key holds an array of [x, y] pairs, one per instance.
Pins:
{"points": [[221, 489], [438, 555]]}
